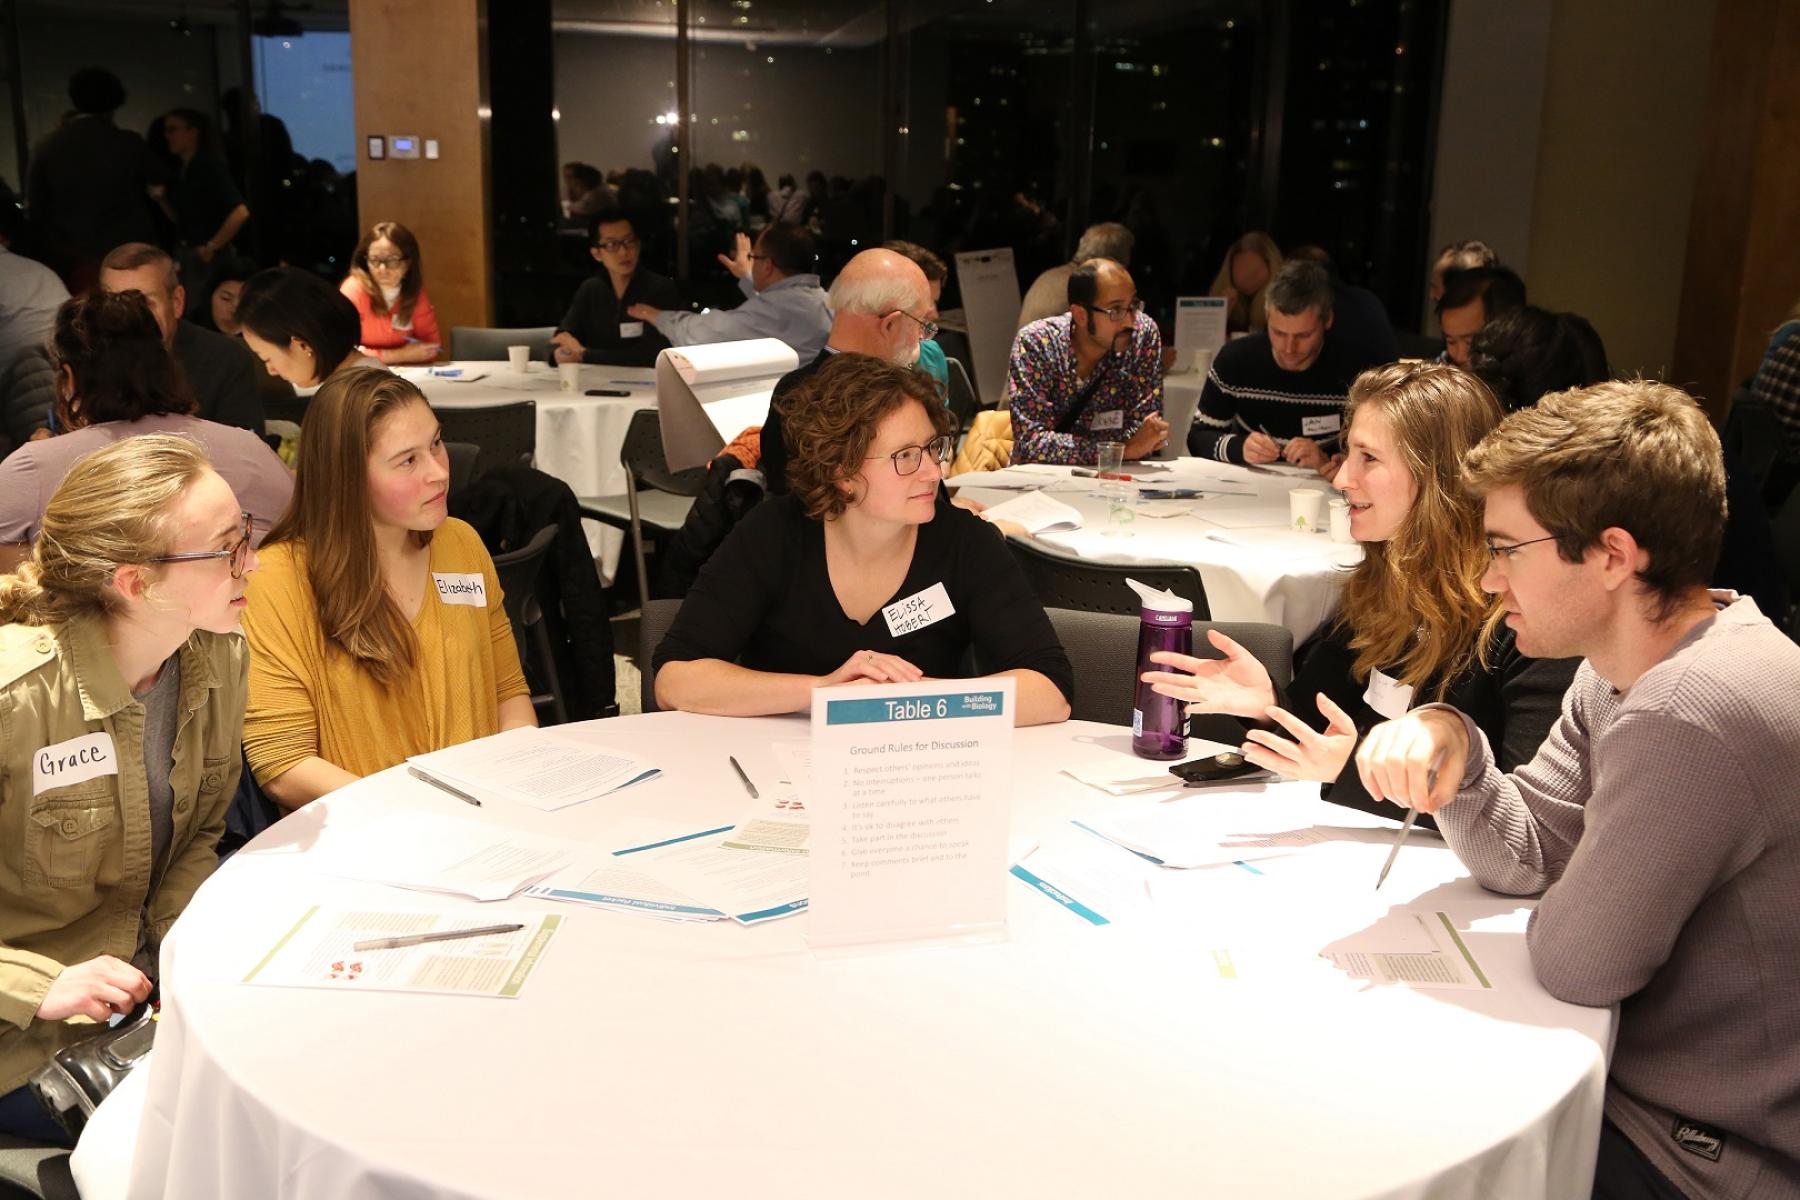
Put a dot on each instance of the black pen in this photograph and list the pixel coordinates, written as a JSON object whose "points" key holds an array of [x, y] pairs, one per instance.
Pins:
{"points": [[748, 786], [442, 786]]}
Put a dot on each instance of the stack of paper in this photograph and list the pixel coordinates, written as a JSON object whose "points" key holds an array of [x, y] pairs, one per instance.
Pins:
{"points": [[1036, 512], [426, 852], [538, 768], [694, 877], [627, 883]]}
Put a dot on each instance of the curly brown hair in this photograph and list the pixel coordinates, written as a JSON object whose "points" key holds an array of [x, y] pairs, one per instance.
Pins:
{"points": [[831, 421]]}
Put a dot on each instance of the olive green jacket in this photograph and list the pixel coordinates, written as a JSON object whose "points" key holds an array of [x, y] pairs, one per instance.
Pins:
{"points": [[75, 863]]}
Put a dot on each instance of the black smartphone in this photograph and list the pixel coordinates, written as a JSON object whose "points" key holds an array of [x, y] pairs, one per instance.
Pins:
{"points": [[606, 392], [1214, 769]]}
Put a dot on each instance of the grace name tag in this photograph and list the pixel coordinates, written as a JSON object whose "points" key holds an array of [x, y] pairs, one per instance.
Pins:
{"points": [[74, 761], [1109, 420], [1317, 426], [469, 589], [631, 329], [1388, 696], [918, 610]]}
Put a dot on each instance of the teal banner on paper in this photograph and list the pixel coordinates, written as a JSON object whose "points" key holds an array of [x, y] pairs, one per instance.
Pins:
{"points": [[916, 708]]}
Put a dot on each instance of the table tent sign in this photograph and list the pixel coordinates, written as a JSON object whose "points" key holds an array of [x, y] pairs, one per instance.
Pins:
{"points": [[706, 395], [910, 794]]}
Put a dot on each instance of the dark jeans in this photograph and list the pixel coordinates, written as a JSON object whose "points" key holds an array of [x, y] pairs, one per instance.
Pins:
{"points": [[22, 1116], [1623, 1173]]}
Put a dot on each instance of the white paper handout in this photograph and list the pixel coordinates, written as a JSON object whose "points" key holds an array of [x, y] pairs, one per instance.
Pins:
{"points": [[1036, 512], [428, 852], [1097, 884], [1417, 949], [1194, 832], [627, 882], [538, 768], [776, 822], [749, 886], [318, 951]]}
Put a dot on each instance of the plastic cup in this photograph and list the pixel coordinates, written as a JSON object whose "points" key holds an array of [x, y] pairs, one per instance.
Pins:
{"points": [[570, 373], [1306, 510], [1122, 502], [1340, 521], [1111, 461], [519, 359]]}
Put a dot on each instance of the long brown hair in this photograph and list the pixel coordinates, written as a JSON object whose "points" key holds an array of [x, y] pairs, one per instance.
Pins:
{"points": [[332, 522], [411, 284], [1414, 606]]}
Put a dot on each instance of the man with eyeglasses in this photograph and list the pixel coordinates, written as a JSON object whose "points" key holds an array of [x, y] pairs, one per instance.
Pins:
{"points": [[782, 298], [598, 328], [1659, 819], [1278, 396], [1091, 375]]}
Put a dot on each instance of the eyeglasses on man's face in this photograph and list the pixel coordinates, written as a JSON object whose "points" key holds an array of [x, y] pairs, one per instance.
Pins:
{"points": [[614, 245], [906, 459], [387, 262], [1124, 310], [1497, 552], [927, 329], [238, 554]]}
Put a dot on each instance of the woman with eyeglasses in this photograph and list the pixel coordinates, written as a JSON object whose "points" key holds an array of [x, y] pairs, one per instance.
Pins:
{"points": [[386, 283], [377, 630], [115, 379], [809, 588], [598, 328], [122, 690], [1414, 626]]}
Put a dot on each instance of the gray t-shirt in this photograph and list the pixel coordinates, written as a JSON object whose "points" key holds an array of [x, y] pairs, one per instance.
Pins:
{"points": [[162, 716]]}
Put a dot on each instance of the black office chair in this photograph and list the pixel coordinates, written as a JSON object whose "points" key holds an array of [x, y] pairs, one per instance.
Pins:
{"points": [[481, 344], [1064, 581], [657, 616], [506, 433], [518, 571], [33, 1170], [963, 404], [463, 469], [659, 510]]}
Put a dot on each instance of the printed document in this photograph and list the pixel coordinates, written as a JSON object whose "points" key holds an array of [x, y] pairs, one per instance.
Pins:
{"points": [[1417, 949], [538, 768], [427, 852], [318, 951]]}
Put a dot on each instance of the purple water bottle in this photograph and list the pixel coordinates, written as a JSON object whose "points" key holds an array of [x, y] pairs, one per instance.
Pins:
{"points": [[1158, 722]]}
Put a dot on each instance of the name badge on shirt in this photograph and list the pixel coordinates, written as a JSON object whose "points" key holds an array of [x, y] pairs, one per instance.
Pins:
{"points": [[74, 761], [1319, 426], [1108, 420], [631, 329], [469, 589], [918, 610], [1387, 695]]}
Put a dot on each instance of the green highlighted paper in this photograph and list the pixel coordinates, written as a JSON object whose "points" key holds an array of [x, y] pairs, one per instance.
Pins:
{"points": [[318, 951]]}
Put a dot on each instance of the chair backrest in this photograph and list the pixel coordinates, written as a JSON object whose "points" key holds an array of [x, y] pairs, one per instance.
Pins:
{"points": [[1064, 581], [482, 344], [1752, 438], [653, 622], [463, 456], [963, 404], [1102, 648], [505, 433], [642, 455], [518, 571]]}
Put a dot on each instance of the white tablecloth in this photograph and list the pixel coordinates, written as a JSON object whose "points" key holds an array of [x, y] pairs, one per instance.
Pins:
{"points": [[578, 436], [1252, 567], [651, 1058]]}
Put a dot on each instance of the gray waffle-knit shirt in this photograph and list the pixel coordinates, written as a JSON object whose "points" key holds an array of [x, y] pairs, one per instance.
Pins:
{"points": [[1662, 825]]}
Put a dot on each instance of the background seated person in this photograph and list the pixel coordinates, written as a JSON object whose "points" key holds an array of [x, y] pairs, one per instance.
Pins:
{"points": [[378, 630], [302, 328], [1243, 280], [118, 637], [780, 281], [386, 283], [1470, 301], [115, 380], [1414, 624], [1089, 376], [794, 599], [597, 328]]}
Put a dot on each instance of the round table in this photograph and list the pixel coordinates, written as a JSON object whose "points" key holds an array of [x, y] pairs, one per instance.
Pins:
{"points": [[652, 1058], [578, 436]]}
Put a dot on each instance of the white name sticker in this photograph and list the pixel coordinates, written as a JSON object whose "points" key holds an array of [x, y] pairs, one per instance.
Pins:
{"points": [[631, 329], [1109, 420], [1318, 426], [470, 589], [74, 761], [918, 610], [1388, 696]]}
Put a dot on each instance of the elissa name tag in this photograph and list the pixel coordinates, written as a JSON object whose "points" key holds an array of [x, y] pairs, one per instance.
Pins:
{"points": [[74, 761], [918, 610], [459, 588]]}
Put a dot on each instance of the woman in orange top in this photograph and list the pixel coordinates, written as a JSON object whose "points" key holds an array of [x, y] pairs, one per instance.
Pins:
{"points": [[387, 285]]}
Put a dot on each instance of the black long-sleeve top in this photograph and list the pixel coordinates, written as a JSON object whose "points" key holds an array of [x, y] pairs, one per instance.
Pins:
{"points": [[596, 316], [764, 600], [1515, 701], [1247, 392]]}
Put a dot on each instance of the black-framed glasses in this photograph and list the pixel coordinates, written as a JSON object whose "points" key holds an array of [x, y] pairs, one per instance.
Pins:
{"points": [[614, 245], [1123, 309], [238, 554], [386, 262], [927, 329], [906, 459], [1495, 550]]}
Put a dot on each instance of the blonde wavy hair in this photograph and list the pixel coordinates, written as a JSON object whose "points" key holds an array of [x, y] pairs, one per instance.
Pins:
{"points": [[1256, 307], [1414, 606], [113, 509]]}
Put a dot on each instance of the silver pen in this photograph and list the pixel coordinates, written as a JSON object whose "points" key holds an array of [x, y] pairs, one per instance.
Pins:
{"points": [[748, 786], [401, 941], [1412, 814], [442, 786]]}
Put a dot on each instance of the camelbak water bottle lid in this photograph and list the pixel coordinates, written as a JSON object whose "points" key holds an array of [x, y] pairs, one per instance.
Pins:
{"points": [[1160, 600]]}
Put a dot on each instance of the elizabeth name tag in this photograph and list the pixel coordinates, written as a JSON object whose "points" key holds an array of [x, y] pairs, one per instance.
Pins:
{"points": [[1320, 426], [74, 761], [469, 589], [918, 610], [1388, 696], [1109, 420]]}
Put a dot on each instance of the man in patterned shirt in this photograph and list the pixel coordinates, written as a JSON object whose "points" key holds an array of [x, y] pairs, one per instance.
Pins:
{"points": [[1092, 375]]}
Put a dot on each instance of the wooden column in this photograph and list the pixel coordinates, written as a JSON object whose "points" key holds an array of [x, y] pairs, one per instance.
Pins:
{"points": [[416, 67], [1743, 261]]}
